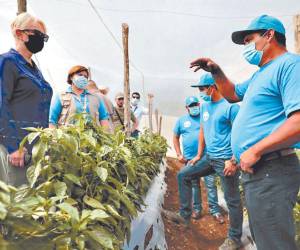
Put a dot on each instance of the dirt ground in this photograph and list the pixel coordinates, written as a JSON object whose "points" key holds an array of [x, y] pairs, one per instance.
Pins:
{"points": [[203, 234]]}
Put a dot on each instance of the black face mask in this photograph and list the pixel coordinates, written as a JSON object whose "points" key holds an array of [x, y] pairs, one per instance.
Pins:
{"points": [[35, 43]]}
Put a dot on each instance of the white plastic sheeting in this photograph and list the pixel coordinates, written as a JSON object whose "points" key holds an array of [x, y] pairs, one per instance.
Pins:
{"points": [[150, 220], [165, 35]]}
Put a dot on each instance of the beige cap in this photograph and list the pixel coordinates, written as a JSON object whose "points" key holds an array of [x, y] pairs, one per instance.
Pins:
{"points": [[119, 95]]}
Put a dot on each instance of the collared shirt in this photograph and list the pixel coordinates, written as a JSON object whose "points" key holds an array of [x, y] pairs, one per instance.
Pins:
{"points": [[139, 111], [217, 119], [269, 97], [188, 127], [81, 104], [24, 100]]}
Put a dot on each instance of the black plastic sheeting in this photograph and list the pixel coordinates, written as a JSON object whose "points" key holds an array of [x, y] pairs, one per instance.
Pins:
{"points": [[147, 230]]}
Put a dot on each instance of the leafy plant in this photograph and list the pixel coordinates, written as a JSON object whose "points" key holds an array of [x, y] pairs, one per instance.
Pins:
{"points": [[85, 186]]}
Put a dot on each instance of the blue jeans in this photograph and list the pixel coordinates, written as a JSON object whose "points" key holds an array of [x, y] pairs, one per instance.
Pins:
{"points": [[190, 188], [271, 194], [230, 186]]}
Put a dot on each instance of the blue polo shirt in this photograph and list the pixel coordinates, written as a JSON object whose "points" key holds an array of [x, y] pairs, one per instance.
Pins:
{"points": [[56, 107], [269, 97], [188, 127], [217, 119]]}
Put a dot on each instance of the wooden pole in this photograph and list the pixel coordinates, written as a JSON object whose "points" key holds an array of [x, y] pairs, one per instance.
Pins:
{"points": [[156, 119], [22, 6], [150, 103], [90, 73], [125, 31], [297, 33], [160, 124]]}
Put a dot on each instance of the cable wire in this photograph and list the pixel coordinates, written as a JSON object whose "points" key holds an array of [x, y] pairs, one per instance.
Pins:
{"points": [[118, 44]]}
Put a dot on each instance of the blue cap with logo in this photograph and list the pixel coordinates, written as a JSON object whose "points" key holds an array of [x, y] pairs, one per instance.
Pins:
{"points": [[205, 80], [190, 100], [263, 22]]}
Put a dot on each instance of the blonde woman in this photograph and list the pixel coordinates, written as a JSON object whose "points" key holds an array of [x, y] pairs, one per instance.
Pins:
{"points": [[25, 96]]}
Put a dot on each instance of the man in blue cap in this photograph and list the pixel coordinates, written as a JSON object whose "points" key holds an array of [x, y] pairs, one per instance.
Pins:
{"points": [[217, 116], [266, 130], [188, 127]]}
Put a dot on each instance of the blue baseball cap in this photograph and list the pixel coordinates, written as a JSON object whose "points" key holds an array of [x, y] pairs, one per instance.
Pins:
{"points": [[191, 99], [205, 80], [263, 22]]}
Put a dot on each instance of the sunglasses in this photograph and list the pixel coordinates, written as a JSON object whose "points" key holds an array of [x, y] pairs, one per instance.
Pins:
{"points": [[37, 32], [193, 104]]}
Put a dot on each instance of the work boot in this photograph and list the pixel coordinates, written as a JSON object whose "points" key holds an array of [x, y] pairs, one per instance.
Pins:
{"points": [[176, 217], [196, 215], [230, 244]]}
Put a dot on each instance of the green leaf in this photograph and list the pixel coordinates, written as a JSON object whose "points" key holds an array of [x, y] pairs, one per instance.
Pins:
{"points": [[33, 173], [3, 211], [71, 201], [92, 202], [102, 237], [104, 150], [4, 187], [102, 173], [60, 188], [99, 214], [70, 143], [113, 212], [38, 151], [126, 151], [72, 211], [73, 179]]}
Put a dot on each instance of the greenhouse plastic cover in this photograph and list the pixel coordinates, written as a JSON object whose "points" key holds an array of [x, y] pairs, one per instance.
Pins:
{"points": [[164, 37]]}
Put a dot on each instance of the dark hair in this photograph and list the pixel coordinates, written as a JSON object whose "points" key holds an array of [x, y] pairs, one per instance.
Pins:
{"points": [[280, 38], [136, 93]]}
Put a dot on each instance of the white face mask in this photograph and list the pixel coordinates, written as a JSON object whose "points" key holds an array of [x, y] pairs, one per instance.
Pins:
{"points": [[135, 101]]}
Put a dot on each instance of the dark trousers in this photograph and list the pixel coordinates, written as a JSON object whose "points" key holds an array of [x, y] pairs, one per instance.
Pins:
{"points": [[271, 194], [230, 186]]}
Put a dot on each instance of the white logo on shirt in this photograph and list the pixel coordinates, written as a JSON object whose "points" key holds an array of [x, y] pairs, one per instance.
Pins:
{"points": [[187, 124], [205, 116]]}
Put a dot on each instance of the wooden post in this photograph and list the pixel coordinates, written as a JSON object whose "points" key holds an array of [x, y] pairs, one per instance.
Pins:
{"points": [[125, 31], [22, 6], [297, 33], [156, 119], [150, 103], [90, 73], [160, 124]]}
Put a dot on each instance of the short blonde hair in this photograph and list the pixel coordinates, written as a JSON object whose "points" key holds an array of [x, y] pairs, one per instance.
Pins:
{"points": [[22, 20]]}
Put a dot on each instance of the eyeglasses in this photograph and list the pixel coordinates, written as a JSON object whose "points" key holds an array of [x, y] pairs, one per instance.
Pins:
{"points": [[37, 32]]}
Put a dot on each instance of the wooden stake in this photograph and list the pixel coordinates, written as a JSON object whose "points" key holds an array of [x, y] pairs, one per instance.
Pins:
{"points": [[160, 124], [150, 103], [125, 31], [156, 119], [297, 33], [90, 73], [22, 6]]}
